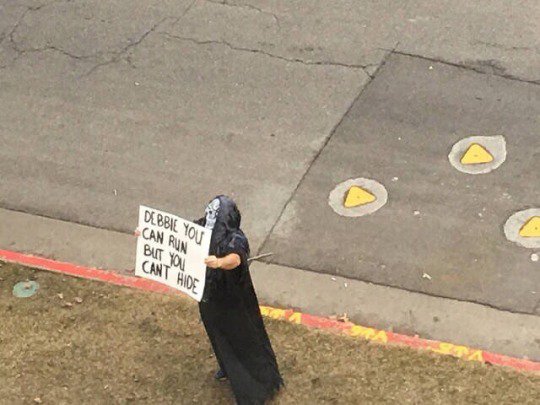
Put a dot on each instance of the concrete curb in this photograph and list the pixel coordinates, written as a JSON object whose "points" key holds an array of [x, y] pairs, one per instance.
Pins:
{"points": [[348, 328]]}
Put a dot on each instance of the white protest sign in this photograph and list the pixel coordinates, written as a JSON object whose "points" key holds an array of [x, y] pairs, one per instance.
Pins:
{"points": [[171, 250]]}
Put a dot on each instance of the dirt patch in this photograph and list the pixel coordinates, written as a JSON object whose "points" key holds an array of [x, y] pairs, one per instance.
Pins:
{"points": [[78, 341]]}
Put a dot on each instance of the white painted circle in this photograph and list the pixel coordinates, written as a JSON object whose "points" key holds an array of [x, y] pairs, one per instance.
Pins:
{"points": [[514, 224], [337, 195], [495, 145]]}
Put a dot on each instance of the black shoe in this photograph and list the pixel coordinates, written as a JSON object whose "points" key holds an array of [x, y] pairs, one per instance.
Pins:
{"points": [[220, 375]]}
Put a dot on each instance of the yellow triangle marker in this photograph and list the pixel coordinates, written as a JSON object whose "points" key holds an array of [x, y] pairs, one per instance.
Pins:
{"points": [[531, 229], [476, 154], [358, 196]]}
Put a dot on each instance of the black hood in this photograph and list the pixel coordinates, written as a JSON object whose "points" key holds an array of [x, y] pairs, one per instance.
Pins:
{"points": [[227, 223], [227, 237]]}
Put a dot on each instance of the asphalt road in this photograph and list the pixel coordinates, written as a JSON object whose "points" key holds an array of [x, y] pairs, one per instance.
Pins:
{"points": [[441, 231], [105, 106]]}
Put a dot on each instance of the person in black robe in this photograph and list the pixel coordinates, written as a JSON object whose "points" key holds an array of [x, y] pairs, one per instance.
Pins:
{"points": [[230, 311]]}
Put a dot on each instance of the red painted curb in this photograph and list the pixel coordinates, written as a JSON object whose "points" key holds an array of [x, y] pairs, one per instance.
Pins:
{"points": [[83, 272], [313, 321]]}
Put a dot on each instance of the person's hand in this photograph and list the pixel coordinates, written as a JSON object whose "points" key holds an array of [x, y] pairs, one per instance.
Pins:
{"points": [[213, 262]]}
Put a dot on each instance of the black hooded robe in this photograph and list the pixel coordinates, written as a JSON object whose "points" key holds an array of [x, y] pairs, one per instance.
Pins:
{"points": [[232, 318]]}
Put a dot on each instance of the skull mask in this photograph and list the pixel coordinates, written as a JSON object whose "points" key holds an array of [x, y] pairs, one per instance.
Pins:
{"points": [[212, 213]]}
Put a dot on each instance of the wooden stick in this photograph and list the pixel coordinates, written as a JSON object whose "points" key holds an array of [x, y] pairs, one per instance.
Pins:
{"points": [[260, 256]]}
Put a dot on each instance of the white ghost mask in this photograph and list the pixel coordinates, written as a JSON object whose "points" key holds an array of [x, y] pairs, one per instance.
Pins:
{"points": [[212, 213]]}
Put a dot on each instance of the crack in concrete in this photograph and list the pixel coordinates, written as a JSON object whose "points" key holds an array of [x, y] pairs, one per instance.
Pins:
{"points": [[271, 55], [25, 13], [124, 51], [116, 55], [9, 36], [188, 8], [466, 67], [18, 23], [22, 51], [506, 48], [119, 54], [13, 44], [319, 152], [247, 7], [383, 61], [366, 69]]}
